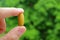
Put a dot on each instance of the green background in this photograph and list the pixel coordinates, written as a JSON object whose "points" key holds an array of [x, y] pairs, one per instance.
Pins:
{"points": [[42, 18]]}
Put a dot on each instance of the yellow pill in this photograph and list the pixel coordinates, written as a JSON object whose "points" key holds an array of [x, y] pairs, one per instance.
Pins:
{"points": [[20, 19]]}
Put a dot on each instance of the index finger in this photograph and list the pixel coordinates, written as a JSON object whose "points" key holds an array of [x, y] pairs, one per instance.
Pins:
{"points": [[6, 12]]}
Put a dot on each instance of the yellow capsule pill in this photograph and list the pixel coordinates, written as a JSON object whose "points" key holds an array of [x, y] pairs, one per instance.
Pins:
{"points": [[20, 19]]}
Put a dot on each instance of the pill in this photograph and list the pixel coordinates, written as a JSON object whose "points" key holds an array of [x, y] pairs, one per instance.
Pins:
{"points": [[20, 19]]}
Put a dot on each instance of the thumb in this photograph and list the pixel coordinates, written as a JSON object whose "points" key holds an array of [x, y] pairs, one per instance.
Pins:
{"points": [[15, 33]]}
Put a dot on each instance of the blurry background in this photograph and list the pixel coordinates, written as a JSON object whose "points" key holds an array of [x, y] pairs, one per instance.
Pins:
{"points": [[42, 18]]}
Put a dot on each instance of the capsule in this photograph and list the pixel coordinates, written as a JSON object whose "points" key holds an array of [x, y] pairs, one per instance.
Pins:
{"points": [[20, 19]]}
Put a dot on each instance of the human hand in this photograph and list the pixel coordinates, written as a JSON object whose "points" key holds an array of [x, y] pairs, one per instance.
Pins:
{"points": [[16, 32]]}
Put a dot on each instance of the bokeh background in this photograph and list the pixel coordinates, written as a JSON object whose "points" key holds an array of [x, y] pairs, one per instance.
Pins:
{"points": [[42, 18]]}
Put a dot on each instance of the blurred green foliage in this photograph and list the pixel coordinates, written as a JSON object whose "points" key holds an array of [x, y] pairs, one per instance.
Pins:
{"points": [[42, 18]]}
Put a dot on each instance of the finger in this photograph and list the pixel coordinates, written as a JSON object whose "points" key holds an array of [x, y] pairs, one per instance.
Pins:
{"points": [[15, 33], [6, 12], [2, 25]]}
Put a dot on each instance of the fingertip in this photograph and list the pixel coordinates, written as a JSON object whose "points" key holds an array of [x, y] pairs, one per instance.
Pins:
{"points": [[21, 27], [17, 11], [20, 10]]}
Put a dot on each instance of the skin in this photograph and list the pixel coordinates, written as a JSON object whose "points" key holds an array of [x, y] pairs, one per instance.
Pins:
{"points": [[16, 32]]}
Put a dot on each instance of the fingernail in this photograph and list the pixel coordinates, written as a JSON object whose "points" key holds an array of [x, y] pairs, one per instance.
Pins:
{"points": [[20, 9], [21, 30]]}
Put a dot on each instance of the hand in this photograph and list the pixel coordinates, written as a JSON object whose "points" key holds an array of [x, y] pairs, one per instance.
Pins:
{"points": [[16, 32]]}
